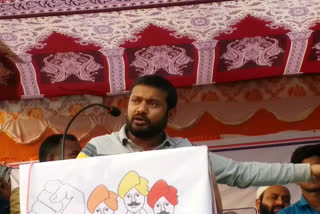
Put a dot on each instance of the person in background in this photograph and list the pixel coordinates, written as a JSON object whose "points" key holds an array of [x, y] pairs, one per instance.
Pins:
{"points": [[310, 199], [5, 192], [271, 199], [50, 150]]}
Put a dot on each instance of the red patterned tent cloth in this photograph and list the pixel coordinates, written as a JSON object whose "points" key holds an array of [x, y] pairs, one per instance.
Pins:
{"points": [[76, 47]]}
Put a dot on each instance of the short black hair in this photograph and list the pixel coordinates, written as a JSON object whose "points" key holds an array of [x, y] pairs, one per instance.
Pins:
{"points": [[51, 143], [159, 82], [304, 152]]}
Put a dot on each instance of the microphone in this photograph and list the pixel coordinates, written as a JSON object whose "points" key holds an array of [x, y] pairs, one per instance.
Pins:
{"points": [[114, 111]]}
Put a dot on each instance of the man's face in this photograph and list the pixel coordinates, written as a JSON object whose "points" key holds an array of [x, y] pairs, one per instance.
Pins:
{"points": [[274, 199], [163, 206], [134, 201], [71, 150], [102, 208], [147, 114], [309, 186]]}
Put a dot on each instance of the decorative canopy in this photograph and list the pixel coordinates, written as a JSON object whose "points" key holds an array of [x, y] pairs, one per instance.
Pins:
{"points": [[55, 48]]}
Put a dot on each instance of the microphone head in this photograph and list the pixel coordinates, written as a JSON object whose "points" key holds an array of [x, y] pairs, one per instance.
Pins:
{"points": [[114, 111]]}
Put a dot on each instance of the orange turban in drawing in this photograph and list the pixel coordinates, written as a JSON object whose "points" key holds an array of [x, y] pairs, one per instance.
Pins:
{"points": [[102, 194], [161, 189]]}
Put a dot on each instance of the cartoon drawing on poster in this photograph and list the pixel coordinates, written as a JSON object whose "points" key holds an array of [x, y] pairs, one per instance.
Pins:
{"points": [[58, 198], [129, 188], [133, 189], [102, 201], [162, 198]]}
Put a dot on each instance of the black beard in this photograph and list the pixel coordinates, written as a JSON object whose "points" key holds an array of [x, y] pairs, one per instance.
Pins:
{"points": [[266, 210], [151, 131]]}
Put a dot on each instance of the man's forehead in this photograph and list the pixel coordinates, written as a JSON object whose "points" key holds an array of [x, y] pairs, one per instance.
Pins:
{"points": [[312, 160], [72, 144], [277, 190], [143, 90]]}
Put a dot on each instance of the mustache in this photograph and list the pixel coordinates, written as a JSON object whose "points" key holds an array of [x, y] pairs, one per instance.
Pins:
{"points": [[278, 207], [163, 212], [141, 116], [134, 203]]}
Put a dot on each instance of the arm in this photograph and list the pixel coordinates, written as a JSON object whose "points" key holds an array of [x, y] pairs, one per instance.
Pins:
{"points": [[88, 151], [244, 174], [217, 195], [15, 202]]}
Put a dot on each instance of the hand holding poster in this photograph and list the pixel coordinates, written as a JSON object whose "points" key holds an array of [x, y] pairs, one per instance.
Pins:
{"points": [[174, 181]]}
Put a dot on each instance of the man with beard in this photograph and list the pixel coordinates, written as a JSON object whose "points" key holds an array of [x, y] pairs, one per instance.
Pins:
{"points": [[162, 198], [310, 200], [271, 199], [151, 103]]}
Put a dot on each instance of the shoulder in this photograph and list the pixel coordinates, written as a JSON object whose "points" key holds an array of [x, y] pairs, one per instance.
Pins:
{"points": [[293, 209], [180, 142], [102, 145], [113, 137]]}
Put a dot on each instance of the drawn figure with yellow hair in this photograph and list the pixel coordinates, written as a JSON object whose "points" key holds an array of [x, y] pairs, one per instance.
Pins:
{"points": [[133, 189], [102, 201]]}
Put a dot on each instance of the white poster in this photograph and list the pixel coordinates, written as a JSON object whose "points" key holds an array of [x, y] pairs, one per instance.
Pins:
{"points": [[160, 182]]}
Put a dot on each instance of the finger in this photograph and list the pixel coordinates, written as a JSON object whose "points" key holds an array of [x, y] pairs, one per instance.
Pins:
{"points": [[4, 183], [2, 180]]}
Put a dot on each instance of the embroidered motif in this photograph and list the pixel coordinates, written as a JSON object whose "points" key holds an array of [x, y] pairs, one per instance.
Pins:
{"points": [[171, 59], [62, 65], [260, 50], [317, 47]]}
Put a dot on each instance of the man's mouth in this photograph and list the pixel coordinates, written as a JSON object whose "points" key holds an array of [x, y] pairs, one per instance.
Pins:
{"points": [[140, 120], [277, 209]]}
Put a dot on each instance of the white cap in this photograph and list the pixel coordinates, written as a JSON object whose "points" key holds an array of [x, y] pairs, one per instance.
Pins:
{"points": [[261, 190]]}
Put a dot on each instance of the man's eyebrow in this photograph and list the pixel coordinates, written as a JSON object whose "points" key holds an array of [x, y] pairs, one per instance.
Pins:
{"points": [[154, 99], [148, 99]]}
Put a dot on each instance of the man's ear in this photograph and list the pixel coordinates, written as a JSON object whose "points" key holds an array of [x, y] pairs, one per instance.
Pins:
{"points": [[171, 114], [258, 202]]}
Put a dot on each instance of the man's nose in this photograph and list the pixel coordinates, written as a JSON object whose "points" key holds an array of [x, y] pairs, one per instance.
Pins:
{"points": [[142, 108], [280, 202]]}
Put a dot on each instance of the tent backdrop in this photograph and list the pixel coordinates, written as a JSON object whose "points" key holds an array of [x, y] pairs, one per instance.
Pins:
{"points": [[64, 50], [56, 48], [203, 113]]}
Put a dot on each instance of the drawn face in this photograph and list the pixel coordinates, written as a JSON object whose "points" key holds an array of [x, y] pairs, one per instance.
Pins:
{"points": [[134, 201], [163, 206], [147, 113], [102, 208]]}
